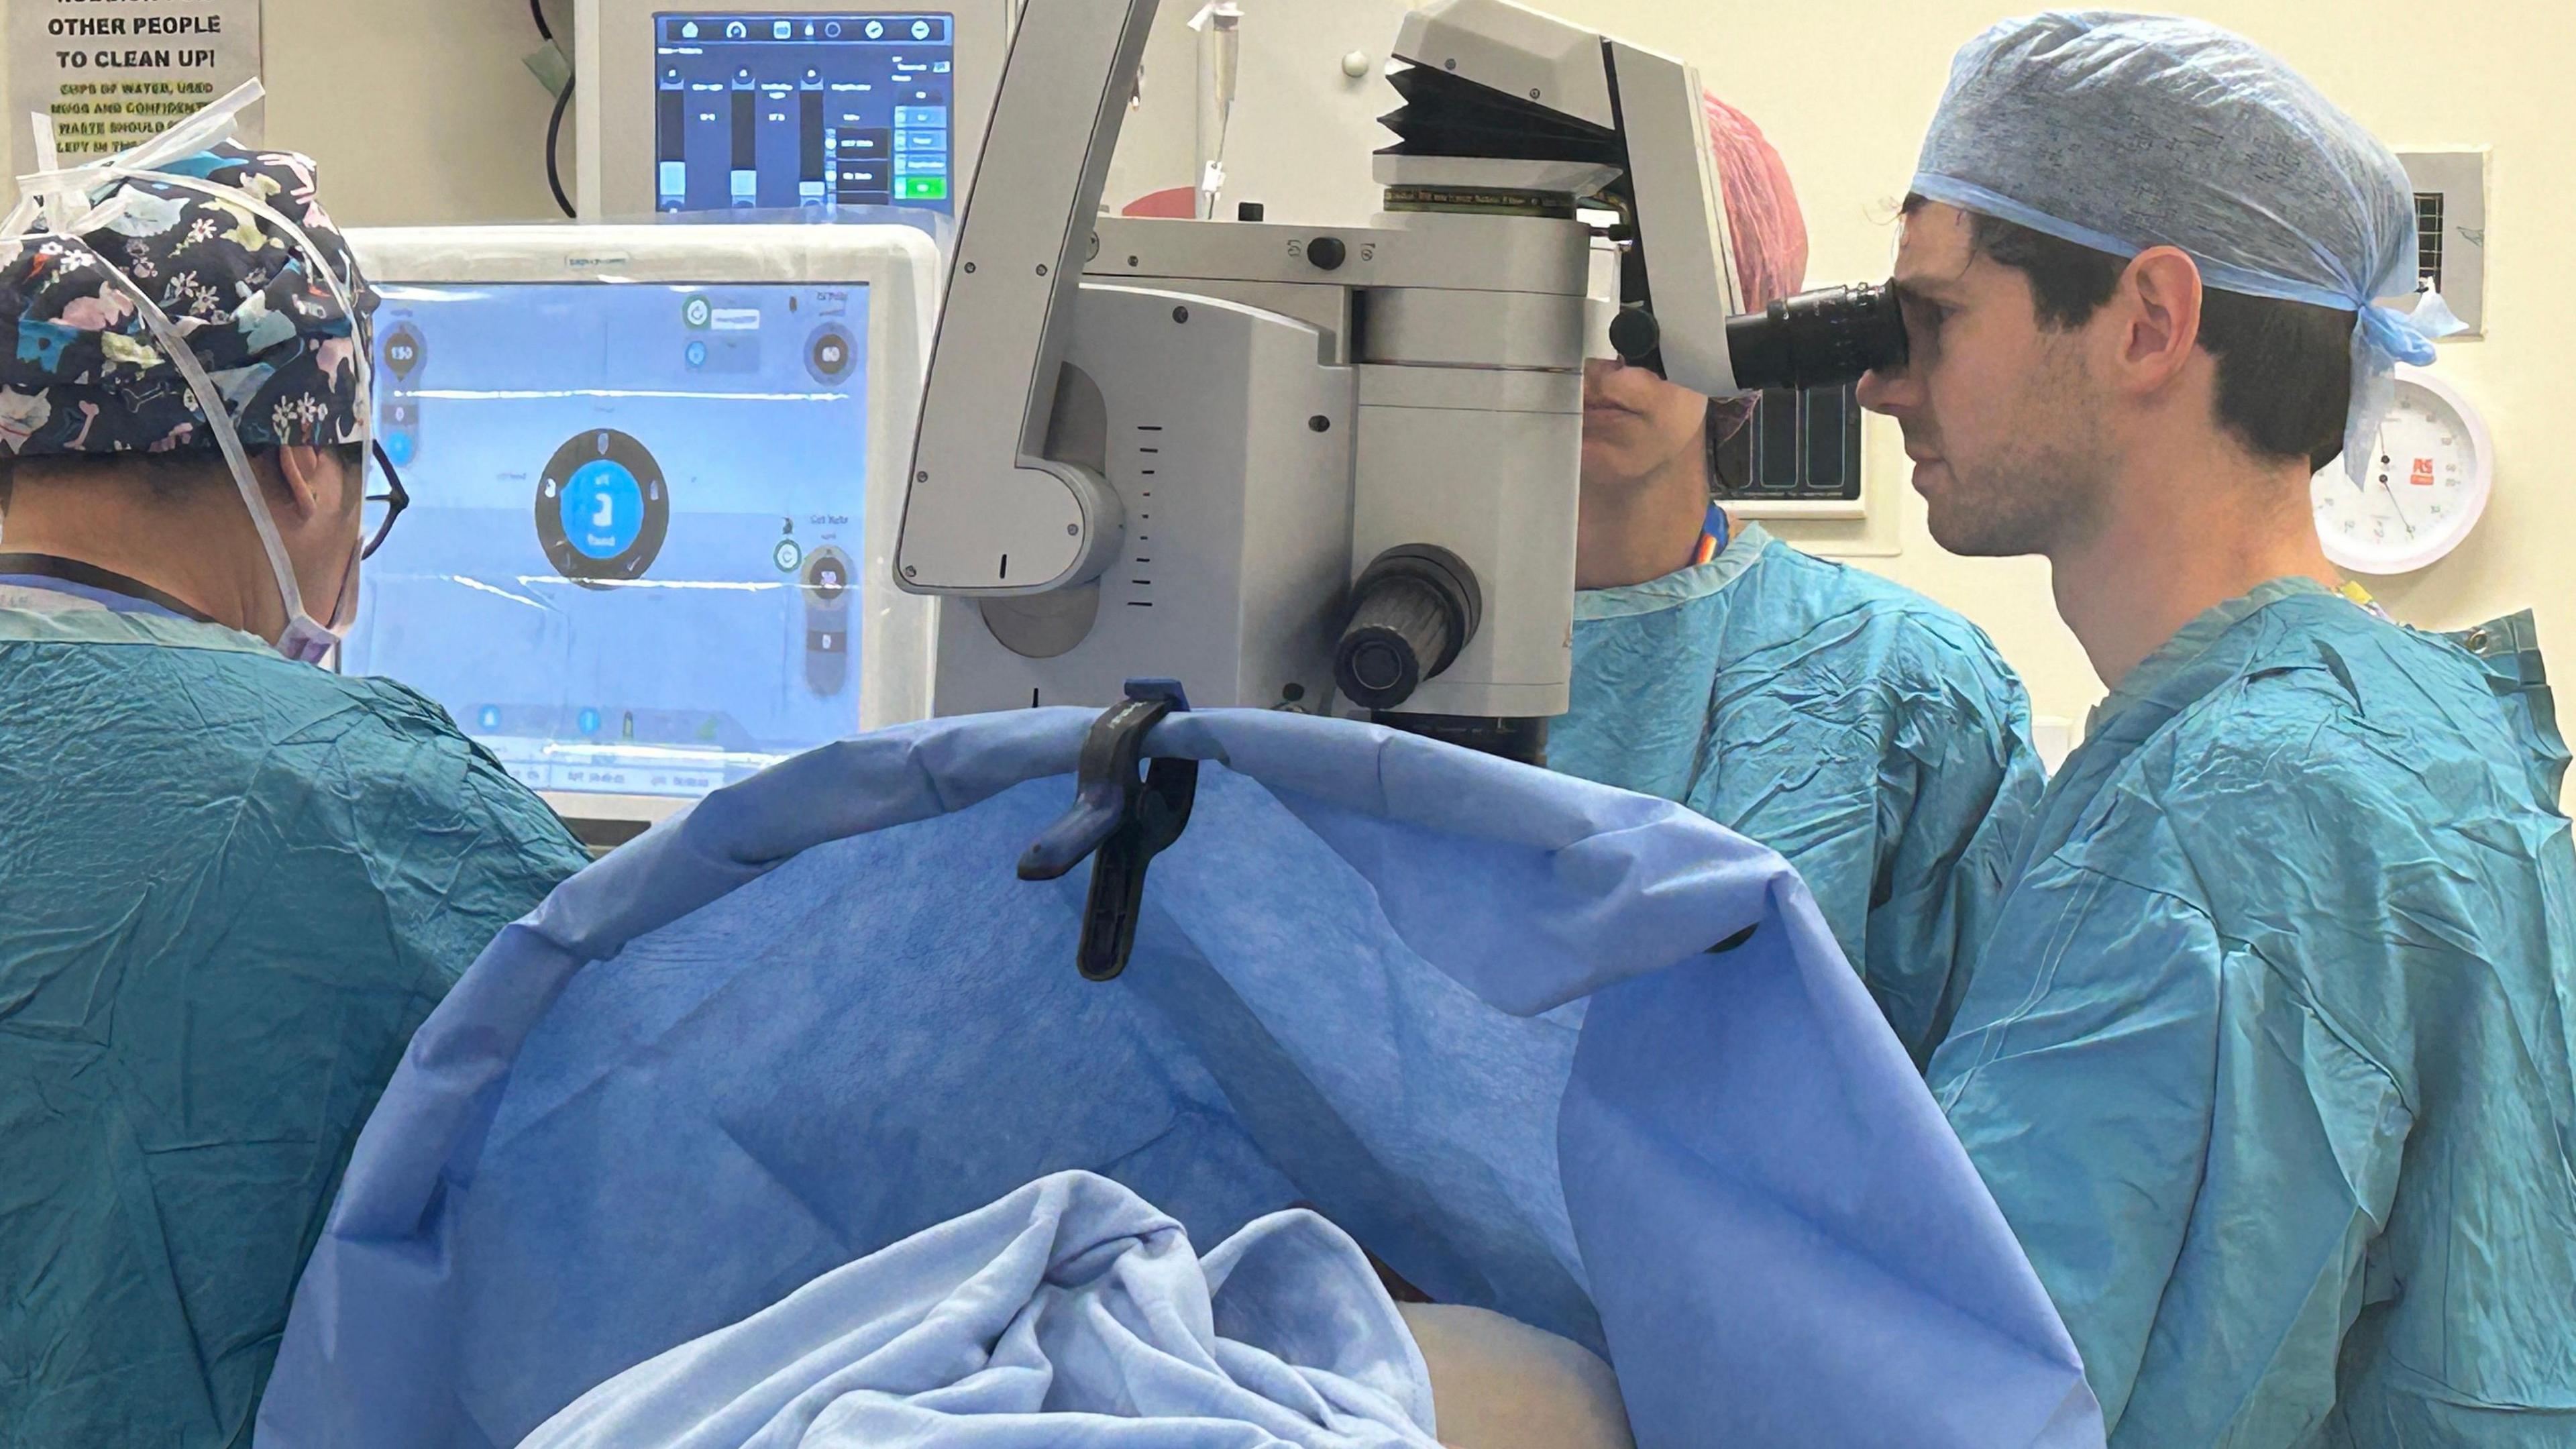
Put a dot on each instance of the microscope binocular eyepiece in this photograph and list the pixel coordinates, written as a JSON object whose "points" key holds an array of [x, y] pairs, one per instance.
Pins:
{"points": [[1824, 338]]}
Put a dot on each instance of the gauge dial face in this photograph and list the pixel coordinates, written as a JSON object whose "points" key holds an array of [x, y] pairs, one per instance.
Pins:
{"points": [[2429, 473]]}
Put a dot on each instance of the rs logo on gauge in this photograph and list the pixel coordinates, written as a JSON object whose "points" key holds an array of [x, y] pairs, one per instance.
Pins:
{"points": [[602, 509]]}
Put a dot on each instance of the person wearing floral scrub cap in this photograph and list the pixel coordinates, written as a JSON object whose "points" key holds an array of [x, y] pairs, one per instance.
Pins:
{"points": [[232, 882], [1873, 737]]}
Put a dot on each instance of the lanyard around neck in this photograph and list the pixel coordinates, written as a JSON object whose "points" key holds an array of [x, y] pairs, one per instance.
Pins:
{"points": [[91, 576]]}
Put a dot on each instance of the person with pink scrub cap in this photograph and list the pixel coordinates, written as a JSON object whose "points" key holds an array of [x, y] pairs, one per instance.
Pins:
{"points": [[1873, 737]]}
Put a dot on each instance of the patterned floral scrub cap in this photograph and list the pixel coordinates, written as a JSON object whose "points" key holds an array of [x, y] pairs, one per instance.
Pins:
{"points": [[82, 373]]}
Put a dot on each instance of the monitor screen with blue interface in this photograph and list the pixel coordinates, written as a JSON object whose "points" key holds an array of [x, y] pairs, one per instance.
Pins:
{"points": [[631, 560], [783, 112]]}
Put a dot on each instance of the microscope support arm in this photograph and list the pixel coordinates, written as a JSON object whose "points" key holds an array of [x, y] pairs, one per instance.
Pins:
{"points": [[987, 514]]}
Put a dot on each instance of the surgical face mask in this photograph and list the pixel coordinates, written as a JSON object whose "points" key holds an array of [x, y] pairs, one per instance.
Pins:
{"points": [[310, 641], [64, 198]]}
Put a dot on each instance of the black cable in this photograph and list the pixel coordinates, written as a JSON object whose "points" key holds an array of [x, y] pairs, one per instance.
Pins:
{"points": [[554, 127], [554, 136]]}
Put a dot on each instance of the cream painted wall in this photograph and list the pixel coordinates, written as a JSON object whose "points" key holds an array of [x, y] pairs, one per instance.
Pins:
{"points": [[420, 112]]}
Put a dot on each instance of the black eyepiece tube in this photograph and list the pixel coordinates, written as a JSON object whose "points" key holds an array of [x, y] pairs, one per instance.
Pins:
{"points": [[1412, 611], [1824, 338]]}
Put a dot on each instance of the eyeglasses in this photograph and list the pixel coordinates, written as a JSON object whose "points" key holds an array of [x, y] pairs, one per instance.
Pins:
{"points": [[382, 508]]}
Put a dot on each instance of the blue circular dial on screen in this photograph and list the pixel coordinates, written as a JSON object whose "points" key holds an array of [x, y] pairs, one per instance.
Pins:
{"points": [[602, 509]]}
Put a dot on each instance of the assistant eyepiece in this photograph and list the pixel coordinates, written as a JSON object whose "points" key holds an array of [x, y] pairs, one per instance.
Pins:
{"points": [[1412, 611]]}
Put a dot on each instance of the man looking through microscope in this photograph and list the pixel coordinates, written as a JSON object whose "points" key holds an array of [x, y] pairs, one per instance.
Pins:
{"points": [[1873, 737]]}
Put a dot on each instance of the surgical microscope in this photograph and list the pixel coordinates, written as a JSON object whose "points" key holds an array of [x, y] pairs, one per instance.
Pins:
{"points": [[1322, 469]]}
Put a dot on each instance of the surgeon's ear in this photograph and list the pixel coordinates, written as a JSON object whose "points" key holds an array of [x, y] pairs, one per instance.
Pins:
{"points": [[313, 481], [2157, 308]]}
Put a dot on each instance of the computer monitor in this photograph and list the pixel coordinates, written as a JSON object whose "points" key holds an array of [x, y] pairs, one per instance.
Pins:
{"points": [[791, 106], [655, 475]]}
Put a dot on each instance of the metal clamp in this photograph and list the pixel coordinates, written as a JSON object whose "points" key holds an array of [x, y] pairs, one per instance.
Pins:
{"points": [[1126, 818]]}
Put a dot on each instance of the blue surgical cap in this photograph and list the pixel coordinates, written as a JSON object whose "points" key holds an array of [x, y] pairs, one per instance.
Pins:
{"points": [[2120, 132]]}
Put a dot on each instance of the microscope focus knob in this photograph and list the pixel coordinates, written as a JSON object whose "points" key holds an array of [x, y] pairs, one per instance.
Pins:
{"points": [[1327, 253], [1412, 612]]}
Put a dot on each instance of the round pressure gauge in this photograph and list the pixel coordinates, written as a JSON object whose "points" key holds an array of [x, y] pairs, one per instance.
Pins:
{"points": [[2430, 471]]}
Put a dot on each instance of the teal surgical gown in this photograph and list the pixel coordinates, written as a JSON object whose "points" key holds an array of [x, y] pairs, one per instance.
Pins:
{"points": [[230, 888], [1866, 733], [2268, 1059]]}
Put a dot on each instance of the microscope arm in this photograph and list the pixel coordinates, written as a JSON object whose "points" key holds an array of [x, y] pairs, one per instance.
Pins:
{"points": [[985, 513]]}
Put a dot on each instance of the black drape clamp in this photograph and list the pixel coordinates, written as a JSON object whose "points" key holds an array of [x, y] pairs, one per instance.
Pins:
{"points": [[1126, 818]]}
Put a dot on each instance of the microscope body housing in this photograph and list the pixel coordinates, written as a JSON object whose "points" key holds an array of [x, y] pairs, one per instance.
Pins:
{"points": [[1225, 424], [1270, 425]]}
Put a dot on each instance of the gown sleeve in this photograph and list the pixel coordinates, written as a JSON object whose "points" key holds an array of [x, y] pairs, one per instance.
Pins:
{"points": [[2194, 1161]]}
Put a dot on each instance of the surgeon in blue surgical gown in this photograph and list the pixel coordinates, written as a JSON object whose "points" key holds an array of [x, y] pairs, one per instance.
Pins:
{"points": [[1873, 737], [232, 883], [2268, 1057]]}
